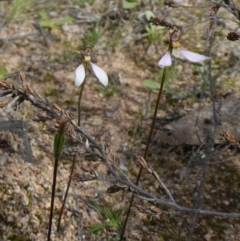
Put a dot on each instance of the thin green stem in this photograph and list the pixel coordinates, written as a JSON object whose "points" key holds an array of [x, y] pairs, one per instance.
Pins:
{"points": [[146, 150], [74, 159]]}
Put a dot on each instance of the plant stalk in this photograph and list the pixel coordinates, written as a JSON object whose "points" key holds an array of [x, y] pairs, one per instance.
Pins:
{"points": [[79, 102], [146, 151], [52, 198], [58, 145], [74, 159]]}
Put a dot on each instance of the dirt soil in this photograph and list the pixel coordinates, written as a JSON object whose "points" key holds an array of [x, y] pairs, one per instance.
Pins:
{"points": [[48, 56]]}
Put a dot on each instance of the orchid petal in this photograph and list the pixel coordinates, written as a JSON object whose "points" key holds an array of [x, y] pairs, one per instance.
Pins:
{"points": [[166, 60], [193, 57], [100, 74], [80, 75]]}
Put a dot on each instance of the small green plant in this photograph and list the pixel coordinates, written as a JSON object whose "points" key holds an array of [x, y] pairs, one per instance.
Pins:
{"points": [[3, 73], [130, 4], [113, 221], [155, 86], [91, 37], [47, 22], [17, 8], [152, 31], [151, 84]]}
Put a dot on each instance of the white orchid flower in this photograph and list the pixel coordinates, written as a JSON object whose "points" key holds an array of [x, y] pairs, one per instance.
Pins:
{"points": [[98, 72], [175, 35], [79, 75], [166, 60]]}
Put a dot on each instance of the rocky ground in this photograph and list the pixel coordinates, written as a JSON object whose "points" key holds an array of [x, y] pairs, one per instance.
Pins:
{"points": [[42, 38]]}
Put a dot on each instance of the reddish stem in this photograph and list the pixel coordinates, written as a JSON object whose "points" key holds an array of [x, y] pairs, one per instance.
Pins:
{"points": [[146, 151]]}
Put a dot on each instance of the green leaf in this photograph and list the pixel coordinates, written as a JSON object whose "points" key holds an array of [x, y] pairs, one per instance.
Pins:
{"points": [[149, 14], [3, 73], [48, 23], [97, 227], [64, 20], [58, 143], [151, 84], [130, 5], [43, 14], [91, 37], [18, 8], [54, 23]]}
